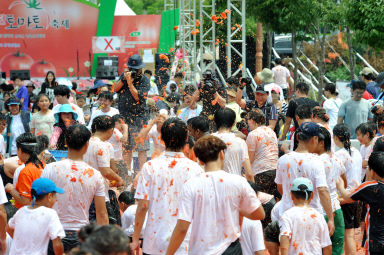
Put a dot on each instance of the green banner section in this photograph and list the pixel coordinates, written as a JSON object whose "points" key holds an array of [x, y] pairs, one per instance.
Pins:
{"points": [[87, 3], [104, 25], [169, 20]]}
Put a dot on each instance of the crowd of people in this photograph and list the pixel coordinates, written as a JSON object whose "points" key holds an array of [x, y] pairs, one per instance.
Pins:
{"points": [[235, 168]]}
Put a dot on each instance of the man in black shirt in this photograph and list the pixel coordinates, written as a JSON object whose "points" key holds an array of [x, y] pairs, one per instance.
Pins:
{"points": [[133, 88], [301, 93]]}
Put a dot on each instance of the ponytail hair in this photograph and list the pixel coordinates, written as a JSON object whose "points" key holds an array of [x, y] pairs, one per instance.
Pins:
{"points": [[28, 144], [343, 132], [320, 113]]}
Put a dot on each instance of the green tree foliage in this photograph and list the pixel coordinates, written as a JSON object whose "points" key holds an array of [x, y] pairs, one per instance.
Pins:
{"points": [[141, 7], [366, 19]]}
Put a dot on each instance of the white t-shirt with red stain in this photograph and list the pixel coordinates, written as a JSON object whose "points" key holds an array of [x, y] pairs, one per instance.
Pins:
{"points": [[211, 202], [117, 144], [334, 168], [81, 184], [294, 165], [306, 229], [352, 164], [235, 154], [262, 142], [33, 230], [365, 151], [158, 144], [99, 155], [161, 181]]}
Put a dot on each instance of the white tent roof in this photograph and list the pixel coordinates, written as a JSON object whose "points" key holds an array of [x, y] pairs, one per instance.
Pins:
{"points": [[122, 9]]}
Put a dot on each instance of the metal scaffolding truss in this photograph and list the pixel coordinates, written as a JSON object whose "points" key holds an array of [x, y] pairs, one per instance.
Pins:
{"points": [[236, 8], [187, 39], [207, 36]]}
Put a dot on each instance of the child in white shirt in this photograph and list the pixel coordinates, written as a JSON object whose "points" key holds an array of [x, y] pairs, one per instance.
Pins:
{"points": [[33, 226], [303, 230]]}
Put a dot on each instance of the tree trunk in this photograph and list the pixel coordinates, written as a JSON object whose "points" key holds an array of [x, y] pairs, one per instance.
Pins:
{"points": [[294, 56], [259, 48], [321, 64], [351, 55], [269, 51]]}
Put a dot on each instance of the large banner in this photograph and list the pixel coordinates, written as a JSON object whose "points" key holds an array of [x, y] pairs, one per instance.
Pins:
{"points": [[140, 32], [43, 35]]}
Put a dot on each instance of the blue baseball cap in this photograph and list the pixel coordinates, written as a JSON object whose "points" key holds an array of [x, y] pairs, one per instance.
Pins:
{"points": [[13, 101], [43, 186], [99, 83], [301, 184], [309, 128]]}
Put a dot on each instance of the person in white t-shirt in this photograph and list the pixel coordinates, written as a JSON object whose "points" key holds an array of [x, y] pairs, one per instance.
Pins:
{"points": [[263, 152], [320, 117], [236, 154], [302, 163], [282, 77], [303, 230], [252, 239], [332, 104], [3, 217], [352, 161], [120, 136], [128, 206], [365, 135], [158, 191], [82, 184], [152, 131], [334, 169], [33, 226], [105, 99], [62, 94], [211, 204]]}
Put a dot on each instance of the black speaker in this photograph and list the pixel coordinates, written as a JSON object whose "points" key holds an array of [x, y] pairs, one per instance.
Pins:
{"points": [[3, 75], [22, 74], [108, 61], [107, 72]]}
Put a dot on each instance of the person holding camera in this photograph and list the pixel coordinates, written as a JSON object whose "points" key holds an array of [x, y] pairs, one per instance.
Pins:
{"points": [[269, 110], [213, 95], [133, 88]]}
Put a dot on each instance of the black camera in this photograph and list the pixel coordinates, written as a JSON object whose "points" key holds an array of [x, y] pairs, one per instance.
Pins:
{"points": [[209, 82], [133, 73]]}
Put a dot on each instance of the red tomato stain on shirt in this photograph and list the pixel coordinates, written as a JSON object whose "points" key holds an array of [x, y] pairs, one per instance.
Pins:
{"points": [[221, 180], [173, 163], [300, 162], [74, 167], [294, 244], [177, 211], [89, 171], [73, 179], [313, 216], [171, 182], [100, 152]]}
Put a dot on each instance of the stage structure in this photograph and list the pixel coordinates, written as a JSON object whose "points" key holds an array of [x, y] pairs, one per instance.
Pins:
{"points": [[193, 64]]}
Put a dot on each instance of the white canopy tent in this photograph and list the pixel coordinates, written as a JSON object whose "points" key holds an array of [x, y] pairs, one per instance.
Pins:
{"points": [[122, 9]]}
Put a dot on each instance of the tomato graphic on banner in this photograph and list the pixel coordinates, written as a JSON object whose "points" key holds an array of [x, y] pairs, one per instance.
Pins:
{"points": [[41, 35]]}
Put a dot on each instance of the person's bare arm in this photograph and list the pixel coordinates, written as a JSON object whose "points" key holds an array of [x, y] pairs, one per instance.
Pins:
{"points": [[178, 236], [287, 125], [239, 98], [251, 155], [340, 120], [9, 188], [101, 211], [248, 170], [220, 100], [272, 124], [284, 245], [343, 193], [327, 250], [109, 174], [113, 166], [325, 200], [132, 89], [125, 133], [22, 101], [257, 214], [58, 246], [143, 134], [141, 212], [3, 229]]}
